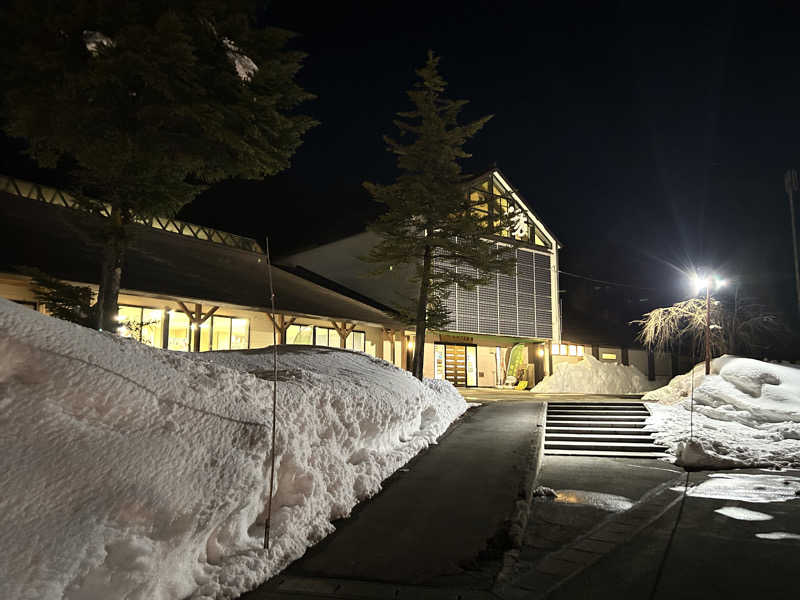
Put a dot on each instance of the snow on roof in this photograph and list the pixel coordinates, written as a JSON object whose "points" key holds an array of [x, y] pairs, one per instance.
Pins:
{"points": [[129, 471]]}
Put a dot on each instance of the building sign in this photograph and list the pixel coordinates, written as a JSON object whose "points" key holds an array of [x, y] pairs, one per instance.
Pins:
{"points": [[456, 339], [438, 361]]}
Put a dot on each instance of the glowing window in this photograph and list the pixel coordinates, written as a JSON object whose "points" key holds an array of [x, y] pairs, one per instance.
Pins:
{"points": [[300, 334], [220, 333], [563, 351], [554, 349], [608, 356], [573, 351], [580, 350], [178, 331], [141, 324]]}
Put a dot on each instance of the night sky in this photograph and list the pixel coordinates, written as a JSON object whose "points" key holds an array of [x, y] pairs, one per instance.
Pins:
{"points": [[648, 136]]}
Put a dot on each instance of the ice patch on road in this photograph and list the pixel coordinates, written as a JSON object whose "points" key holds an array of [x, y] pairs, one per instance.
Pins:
{"points": [[743, 514], [778, 535], [609, 502], [746, 487]]}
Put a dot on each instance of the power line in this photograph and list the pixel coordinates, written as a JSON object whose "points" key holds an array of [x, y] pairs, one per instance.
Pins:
{"points": [[628, 285]]}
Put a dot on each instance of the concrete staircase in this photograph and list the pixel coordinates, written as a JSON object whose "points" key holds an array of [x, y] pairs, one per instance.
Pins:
{"points": [[599, 429]]}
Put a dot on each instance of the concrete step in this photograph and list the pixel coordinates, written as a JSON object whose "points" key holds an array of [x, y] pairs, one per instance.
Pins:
{"points": [[593, 423], [606, 453], [597, 405], [601, 417], [644, 438], [596, 413], [602, 430], [592, 445]]}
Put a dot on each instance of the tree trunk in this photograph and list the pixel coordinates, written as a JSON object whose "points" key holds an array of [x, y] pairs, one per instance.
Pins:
{"points": [[107, 304], [422, 314]]}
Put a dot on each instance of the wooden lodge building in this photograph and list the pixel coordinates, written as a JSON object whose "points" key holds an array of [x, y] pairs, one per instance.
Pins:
{"points": [[192, 288], [486, 322]]}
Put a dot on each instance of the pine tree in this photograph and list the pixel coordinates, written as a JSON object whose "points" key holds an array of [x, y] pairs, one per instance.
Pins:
{"points": [[429, 217], [148, 102]]}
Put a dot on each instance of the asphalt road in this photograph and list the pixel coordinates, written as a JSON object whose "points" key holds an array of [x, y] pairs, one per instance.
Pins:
{"points": [[711, 555]]}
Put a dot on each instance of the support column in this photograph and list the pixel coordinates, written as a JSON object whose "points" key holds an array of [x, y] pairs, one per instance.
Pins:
{"points": [[280, 323], [625, 360], [596, 351], [344, 330], [651, 365], [196, 319]]}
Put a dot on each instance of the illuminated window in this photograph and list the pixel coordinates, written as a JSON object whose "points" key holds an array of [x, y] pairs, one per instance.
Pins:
{"points": [[326, 336], [240, 334], [300, 334], [179, 332], [221, 333], [573, 351], [563, 350], [580, 350], [141, 324], [608, 356], [554, 349]]}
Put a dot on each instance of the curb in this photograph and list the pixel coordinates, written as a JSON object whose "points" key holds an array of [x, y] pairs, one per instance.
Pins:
{"points": [[518, 522], [560, 566]]}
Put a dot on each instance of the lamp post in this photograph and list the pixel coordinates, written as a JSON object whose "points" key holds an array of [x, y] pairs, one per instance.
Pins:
{"points": [[707, 282]]}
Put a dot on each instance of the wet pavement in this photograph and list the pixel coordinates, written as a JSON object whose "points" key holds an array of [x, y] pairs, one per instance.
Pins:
{"points": [[735, 534]]}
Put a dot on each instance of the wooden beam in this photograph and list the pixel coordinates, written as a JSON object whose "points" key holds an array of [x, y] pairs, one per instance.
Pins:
{"points": [[281, 324], [207, 315], [186, 310], [344, 330]]}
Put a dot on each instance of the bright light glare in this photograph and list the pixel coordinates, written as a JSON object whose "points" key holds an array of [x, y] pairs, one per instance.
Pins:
{"points": [[710, 282]]}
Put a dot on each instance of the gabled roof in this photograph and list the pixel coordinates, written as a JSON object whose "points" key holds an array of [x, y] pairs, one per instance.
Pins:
{"points": [[68, 244], [519, 199]]}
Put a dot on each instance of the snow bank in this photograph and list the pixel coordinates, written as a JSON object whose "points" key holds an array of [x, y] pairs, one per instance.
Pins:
{"points": [[128, 472], [592, 376], [746, 414]]}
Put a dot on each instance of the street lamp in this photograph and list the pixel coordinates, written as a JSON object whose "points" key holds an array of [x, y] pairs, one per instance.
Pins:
{"points": [[707, 282]]}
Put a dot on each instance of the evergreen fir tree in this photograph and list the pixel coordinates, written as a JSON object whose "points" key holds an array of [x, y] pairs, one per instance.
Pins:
{"points": [[150, 102], [429, 215]]}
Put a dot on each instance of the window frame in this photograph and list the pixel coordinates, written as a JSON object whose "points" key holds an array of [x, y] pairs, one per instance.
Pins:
{"points": [[329, 329]]}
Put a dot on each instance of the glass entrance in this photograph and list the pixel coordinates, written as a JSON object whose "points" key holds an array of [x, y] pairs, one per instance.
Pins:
{"points": [[457, 363]]}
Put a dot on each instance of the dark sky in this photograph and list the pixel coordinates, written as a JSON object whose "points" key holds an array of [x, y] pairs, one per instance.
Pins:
{"points": [[649, 136], [644, 134]]}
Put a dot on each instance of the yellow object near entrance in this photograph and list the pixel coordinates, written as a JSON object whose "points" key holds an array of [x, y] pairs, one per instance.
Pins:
{"points": [[521, 385]]}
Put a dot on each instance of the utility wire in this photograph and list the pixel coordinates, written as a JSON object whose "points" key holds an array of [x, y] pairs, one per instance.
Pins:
{"points": [[628, 285]]}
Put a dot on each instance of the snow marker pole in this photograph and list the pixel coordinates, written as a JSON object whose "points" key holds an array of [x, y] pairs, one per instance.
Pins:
{"points": [[274, 400]]}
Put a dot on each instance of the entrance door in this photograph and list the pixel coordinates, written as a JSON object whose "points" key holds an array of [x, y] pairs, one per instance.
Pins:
{"points": [[457, 363]]}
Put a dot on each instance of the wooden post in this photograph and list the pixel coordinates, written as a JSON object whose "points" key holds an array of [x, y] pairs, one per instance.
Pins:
{"points": [[404, 351], [651, 365], [281, 325], [391, 334], [344, 330], [625, 360], [596, 351], [165, 329], [196, 319]]}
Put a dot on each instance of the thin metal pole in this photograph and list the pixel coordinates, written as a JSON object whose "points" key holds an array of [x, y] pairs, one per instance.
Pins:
{"points": [[274, 401], [790, 181], [708, 329]]}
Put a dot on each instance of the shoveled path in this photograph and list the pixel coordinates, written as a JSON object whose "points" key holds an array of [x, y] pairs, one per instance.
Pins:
{"points": [[432, 522]]}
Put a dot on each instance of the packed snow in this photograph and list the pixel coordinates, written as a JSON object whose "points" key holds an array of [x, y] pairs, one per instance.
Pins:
{"points": [[591, 376], [746, 414], [244, 65], [136, 473]]}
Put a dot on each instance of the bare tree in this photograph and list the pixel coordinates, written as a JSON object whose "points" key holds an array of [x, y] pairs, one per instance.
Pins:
{"points": [[738, 326]]}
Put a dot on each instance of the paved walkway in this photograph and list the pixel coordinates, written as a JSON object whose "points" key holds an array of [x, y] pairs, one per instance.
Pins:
{"points": [[436, 523]]}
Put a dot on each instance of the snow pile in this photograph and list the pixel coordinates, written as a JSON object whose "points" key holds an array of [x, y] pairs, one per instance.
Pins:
{"points": [[128, 472], [591, 376], [746, 414]]}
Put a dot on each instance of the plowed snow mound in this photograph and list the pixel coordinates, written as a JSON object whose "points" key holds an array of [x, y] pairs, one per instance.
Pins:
{"points": [[746, 413], [136, 473], [590, 376]]}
